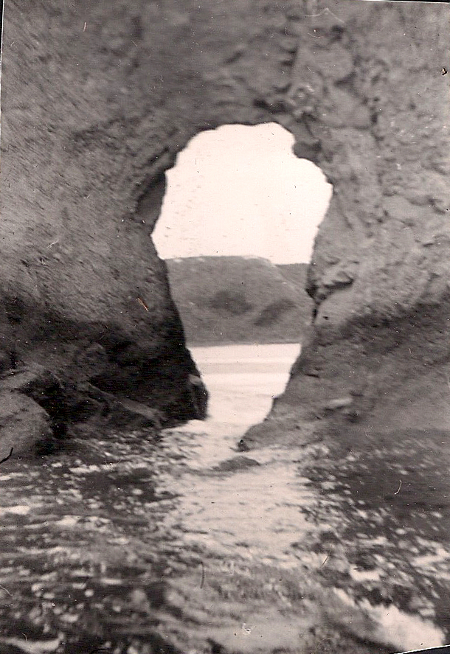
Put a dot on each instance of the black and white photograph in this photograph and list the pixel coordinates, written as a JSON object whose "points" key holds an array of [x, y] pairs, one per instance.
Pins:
{"points": [[225, 327]]}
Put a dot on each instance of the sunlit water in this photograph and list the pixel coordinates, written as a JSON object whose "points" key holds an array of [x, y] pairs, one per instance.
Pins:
{"points": [[271, 512], [242, 381], [249, 510], [90, 538]]}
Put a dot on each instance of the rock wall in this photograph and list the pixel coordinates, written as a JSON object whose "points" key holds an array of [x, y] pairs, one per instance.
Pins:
{"points": [[98, 99], [376, 99]]}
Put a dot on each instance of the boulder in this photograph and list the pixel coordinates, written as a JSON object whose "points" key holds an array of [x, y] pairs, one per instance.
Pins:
{"points": [[24, 425]]}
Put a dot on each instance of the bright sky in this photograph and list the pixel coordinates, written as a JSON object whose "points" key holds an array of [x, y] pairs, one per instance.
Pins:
{"points": [[240, 190]]}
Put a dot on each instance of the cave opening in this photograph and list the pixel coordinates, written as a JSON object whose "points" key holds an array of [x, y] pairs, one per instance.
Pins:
{"points": [[237, 196], [236, 231]]}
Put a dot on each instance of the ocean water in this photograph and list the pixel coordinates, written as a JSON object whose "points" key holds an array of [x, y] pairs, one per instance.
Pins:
{"points": [[329, 516], [256, 511], [120, 538], [243, 381]]}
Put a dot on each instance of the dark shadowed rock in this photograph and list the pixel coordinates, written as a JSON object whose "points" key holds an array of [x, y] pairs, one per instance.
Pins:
{"points": [[198, 395], [119, 413], [90, 361], [236, 464]]}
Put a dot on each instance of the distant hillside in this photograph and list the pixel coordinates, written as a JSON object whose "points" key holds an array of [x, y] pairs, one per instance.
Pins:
{"points": [[239, 299], [296, 273]]}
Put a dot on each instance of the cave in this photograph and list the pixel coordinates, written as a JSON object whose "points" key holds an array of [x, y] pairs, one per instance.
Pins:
{"points": [[98, 101], [83, 170]]}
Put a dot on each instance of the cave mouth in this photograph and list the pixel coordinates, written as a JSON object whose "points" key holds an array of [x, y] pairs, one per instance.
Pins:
{"points": [[236, 231]]}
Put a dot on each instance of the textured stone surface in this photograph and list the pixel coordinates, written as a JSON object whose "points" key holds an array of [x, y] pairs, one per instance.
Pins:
{"points": [[97, 101], [23, 424]]}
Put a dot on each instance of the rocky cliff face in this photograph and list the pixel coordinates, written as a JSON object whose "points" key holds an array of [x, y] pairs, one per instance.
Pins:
{"points": [[378, 106], [97, 101]]}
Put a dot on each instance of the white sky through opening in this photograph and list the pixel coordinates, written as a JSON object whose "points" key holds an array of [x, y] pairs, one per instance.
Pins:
{"points": [[240, 190]]}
